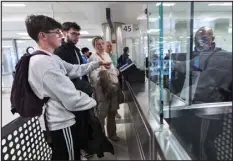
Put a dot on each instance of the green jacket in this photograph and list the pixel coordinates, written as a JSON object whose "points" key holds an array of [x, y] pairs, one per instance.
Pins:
{"points": [[114, 59]]}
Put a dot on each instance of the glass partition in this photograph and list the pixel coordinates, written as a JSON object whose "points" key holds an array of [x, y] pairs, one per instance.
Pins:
{"points": [[190, 73], [22, 45], [8, 60]]}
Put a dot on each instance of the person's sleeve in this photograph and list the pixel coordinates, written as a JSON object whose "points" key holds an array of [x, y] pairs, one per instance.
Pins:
{"points": [[60, 86], [75, 71], [94, 75]]}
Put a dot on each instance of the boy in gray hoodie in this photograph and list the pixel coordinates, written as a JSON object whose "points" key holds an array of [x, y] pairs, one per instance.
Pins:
{"points": [[49, 76]]}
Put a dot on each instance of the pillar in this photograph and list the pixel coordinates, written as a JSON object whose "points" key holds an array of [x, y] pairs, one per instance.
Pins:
{"points": [[115, 37]]}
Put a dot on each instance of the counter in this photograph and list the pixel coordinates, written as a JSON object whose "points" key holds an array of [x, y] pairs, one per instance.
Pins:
{"points": [[200, 122], [157, 141]]}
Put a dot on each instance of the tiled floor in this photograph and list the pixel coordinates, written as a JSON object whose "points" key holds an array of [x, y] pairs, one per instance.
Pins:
{"points": [[120, 147]]}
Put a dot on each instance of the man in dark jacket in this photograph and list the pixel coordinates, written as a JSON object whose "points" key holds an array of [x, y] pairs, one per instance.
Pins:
{"points": [[68, 51], [71, 54]]}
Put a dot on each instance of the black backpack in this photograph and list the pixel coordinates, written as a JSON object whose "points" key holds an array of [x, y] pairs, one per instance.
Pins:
{"points": [[23, 100]]}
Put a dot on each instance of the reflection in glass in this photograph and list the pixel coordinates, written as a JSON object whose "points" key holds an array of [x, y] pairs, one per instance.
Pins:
{"points": [[197, 80], [8, 58]]}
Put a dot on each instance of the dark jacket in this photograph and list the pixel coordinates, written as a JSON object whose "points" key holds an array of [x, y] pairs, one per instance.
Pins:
{"points": [[67, 53], [123, 59], [91, 137]]}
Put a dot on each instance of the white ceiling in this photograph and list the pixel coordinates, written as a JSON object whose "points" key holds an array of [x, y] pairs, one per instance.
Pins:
{"points": [[89, 15]]}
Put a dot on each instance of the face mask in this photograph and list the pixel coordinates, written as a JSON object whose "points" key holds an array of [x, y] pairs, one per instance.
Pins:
{"points": [[202, 44]]}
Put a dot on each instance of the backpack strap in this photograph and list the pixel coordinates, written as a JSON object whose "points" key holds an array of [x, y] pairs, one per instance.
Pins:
{"points": [[48, 133], [39, 52]]}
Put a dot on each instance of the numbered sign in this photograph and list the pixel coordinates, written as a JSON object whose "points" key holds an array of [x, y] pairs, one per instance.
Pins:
{"points": [[127, 28]]}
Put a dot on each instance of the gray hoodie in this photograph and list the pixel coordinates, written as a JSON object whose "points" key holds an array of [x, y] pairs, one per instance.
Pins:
{"points": [[49, 76]]}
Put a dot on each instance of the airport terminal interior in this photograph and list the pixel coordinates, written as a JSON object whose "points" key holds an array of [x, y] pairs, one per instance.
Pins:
{"points": [[176, 86]]}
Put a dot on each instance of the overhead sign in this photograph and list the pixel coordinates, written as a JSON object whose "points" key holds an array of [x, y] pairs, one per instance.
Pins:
{"points": [[130, 30], [127, 28]]}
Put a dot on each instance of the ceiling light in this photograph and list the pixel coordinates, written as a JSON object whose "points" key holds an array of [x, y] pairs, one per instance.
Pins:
{"points": [[142, 17], [220, 4], [26, 37], [209, 19], [20, 41], [153, 19], [230, 30], [152, 30], [13, 5], [23, 33], [7, 46], [166, 4], [84, 32], [89, 39]]}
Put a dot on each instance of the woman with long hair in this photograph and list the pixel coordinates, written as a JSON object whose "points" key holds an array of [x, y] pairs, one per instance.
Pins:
{"points": [[105, 82]]}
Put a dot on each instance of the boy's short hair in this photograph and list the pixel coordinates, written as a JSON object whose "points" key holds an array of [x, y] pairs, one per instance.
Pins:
{"points": [[85, 49], [40, 23], [66, 26]]}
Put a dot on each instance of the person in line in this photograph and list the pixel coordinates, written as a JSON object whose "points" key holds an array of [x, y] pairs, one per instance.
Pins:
{"points": [[68, 51], [47, 77], [85, 56], [71, 54], [124, 58], [105, 108], [108, 49]]}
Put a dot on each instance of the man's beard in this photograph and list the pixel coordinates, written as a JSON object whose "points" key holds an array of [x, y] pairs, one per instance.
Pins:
{"points": [[70, 41]]}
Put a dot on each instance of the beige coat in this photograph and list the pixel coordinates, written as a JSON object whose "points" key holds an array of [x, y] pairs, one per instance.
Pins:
{"points": [[94, 79]]}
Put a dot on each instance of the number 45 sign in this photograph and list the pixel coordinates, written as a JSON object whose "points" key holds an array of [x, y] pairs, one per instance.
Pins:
{"points": [[127, 28]]}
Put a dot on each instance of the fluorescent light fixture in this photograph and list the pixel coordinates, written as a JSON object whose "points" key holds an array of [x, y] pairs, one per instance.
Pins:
{"points": [[23, 33], [143, 17], [20, 41], [7, 46], [153, 30], [84, 32], [220, 4], [151, 19], [166, 4], [230, 30], [209, 19], [26, 37], [13, 5], [89, 39]]}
